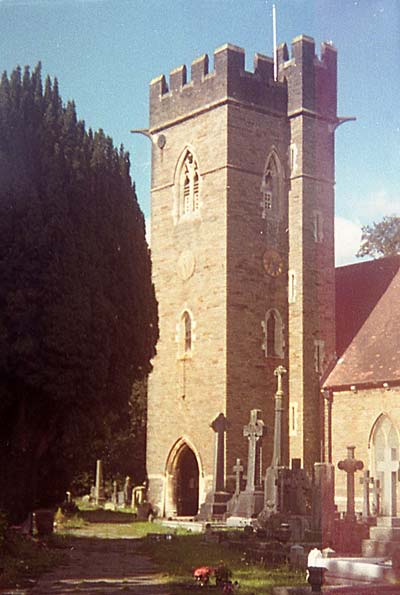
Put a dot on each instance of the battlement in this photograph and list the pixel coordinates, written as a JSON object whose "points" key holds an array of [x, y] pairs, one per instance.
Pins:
{"points": [[303, 77], [312, 81]]}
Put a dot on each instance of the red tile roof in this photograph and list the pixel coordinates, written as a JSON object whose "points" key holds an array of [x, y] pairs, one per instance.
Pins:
{"points": [[368, 323]]}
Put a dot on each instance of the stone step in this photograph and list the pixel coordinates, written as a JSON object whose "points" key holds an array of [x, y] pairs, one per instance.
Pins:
{"points": [[357, 569], [383, 533], [373, 548], [388, 521]]}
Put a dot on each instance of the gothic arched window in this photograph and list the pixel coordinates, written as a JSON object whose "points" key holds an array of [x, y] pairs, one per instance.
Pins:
{"points": [[270, 188], [189, 185], [273, 330], [187, 332], [185, 336]]}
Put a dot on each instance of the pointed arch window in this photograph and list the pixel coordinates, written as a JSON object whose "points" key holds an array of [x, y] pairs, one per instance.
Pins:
{"points": [[270, 189], [189, 186], [187, 332], [385, 462], [185, 335], [273, 334]]}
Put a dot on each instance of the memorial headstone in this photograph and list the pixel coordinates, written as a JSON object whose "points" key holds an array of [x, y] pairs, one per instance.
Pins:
{"points": [[114, 497], [215, 504], [323, 502], [248, 503], [238, 469], [350, 465], [271, 490], [127, 491], [376, 496], [99, 495], [366, 483]]}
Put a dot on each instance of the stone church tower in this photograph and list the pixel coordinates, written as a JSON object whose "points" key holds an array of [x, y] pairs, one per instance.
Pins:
{"points": [[243, 260]]}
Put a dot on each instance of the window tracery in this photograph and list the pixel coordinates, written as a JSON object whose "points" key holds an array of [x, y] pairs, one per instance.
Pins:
{"points": [[189, 186], [270, 188]]}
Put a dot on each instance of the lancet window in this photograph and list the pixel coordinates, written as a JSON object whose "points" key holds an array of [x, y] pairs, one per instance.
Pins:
{"points": [[319, 356], [270, 189], [273, 331], [185, 335], [189, 185]]}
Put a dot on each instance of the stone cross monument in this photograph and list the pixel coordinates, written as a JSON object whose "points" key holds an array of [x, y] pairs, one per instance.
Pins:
{"points": [[238, 469], [253, 432], [277, 454], [249, 503], [271, 496], [350, 465]]}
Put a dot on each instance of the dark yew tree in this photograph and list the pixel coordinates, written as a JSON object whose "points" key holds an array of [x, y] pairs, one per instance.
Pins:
{"points": [[78, 316]]}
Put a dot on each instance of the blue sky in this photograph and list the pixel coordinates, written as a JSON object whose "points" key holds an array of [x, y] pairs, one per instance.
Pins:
{"points": [[105, 52]]}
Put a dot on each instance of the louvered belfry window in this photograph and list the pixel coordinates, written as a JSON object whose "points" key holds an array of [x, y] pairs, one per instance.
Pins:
{"points": [[190, 185]]}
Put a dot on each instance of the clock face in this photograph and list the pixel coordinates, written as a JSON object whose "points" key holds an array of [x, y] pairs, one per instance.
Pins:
{"points": [[273, 263]]}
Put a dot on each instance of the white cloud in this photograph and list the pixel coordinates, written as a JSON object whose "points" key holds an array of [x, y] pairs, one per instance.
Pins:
{"points": [[378, 205], [347, 240]]}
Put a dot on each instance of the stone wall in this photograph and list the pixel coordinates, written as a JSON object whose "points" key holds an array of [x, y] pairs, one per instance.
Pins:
{"points": [[233, 121], [354, 415]]}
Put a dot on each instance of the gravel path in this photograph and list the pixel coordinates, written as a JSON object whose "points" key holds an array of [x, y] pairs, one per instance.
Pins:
{"points": [[102, 566]]}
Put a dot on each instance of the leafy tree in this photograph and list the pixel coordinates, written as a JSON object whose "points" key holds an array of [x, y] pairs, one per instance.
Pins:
{"points": [[381, 239], [78, 320]]}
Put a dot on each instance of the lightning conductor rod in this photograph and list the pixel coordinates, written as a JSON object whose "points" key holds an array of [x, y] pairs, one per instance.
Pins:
{"points": [[274, 41]]}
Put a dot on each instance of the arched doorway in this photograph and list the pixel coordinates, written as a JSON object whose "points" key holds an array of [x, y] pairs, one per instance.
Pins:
{"points": [[187, 483], [385, 461], [182, 481]]}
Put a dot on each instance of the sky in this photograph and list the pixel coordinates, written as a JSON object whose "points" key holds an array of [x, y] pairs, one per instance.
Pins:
{"points": [[105, 52]]}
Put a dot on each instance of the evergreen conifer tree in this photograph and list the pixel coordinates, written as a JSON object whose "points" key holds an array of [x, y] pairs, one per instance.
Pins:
{"points": [[78, 316]]}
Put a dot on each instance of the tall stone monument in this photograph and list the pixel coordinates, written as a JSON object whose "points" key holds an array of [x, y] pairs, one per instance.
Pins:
{"points": [[216, 500], [271, 491], [350, 465], [99, 495], [249, 502]]}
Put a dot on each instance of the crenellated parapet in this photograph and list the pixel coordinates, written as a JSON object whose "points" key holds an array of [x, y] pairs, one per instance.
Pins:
{"points": [[312, 81], [229, 80], [305, 82]]}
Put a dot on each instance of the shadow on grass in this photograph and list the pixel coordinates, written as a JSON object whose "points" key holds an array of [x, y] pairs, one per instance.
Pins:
{"points": [[103, 566], [107, 516]]}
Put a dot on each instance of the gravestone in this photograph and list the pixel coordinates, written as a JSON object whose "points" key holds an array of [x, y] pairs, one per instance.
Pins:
{"points": [[99, 495], [366, 483], [114, 497], [294, 490], [271, 489], [219, 425], [238, 469], [215, 504], [350, 465], [323, 502], [376, 496], [248, 503], [128, 491]]}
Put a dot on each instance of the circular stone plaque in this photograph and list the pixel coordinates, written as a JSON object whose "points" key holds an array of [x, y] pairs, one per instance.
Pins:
{"points": [[186, 264]]}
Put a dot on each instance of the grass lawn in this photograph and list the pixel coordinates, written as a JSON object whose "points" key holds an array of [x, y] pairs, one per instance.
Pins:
{"points": [[24, 559], [177, 559]]}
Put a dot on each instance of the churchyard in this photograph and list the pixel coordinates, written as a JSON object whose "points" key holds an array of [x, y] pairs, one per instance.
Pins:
{"points": [[175, 553], [264, 536]]}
